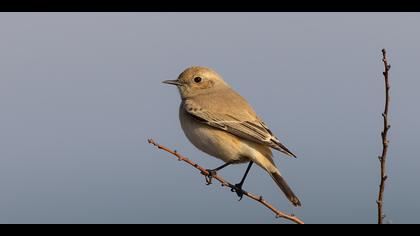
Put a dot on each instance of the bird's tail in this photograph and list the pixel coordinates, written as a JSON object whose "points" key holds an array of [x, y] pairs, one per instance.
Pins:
{"points": [[285, 188]]}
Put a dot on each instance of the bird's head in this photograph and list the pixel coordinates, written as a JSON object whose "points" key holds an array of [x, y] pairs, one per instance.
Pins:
{"points": [[197, 80]]}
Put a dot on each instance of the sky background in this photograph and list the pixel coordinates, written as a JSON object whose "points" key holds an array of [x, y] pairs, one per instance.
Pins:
{"points": [[80, 94]]}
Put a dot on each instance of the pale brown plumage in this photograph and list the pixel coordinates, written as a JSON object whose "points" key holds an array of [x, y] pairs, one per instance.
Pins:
{"points": [[235, 117], [220, 122]]}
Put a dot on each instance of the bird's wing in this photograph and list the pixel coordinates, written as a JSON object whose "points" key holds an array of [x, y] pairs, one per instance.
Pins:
{"points": [[253, 130]]}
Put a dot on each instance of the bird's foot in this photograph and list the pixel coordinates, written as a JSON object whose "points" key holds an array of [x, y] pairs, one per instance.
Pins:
{"points": [[237, 188], [209, 176]]}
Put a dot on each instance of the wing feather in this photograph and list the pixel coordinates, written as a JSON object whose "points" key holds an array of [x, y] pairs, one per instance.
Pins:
{"points": [[253, 130]]}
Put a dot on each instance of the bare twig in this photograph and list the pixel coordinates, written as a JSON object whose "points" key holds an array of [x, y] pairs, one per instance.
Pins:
{"points": [[385, 141], [227, 184]]}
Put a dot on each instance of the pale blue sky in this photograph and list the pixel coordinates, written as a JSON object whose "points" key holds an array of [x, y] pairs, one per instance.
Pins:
{"points": [[80, 93]]}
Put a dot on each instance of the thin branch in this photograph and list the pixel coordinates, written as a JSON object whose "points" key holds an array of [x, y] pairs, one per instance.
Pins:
{"points": [[225, 183], [385, 141]]}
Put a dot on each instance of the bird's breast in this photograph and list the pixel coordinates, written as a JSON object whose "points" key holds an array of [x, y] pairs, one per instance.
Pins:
{"points": [[210, 140]]}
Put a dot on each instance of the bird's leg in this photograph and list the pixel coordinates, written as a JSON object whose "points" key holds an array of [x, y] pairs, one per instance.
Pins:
{"points": [[213, 172], [238, 187]]}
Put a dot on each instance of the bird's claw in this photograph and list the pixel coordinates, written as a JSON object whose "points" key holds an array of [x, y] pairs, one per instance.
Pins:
{"points": [[209, 176], [238, 190]]}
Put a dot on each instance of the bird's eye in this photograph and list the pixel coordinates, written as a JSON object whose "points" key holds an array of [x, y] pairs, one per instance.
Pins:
{"points": [[197, 79]]}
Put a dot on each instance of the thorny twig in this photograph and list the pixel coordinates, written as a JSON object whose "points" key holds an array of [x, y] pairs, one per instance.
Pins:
{"points": [[385, 141], [279, 214]]}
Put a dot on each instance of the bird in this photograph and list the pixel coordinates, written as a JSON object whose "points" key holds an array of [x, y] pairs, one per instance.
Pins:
{"points": [[220, 122]]}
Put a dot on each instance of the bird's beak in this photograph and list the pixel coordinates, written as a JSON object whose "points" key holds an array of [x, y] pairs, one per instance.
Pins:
{"points": [[174, 82]]}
